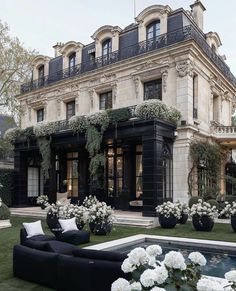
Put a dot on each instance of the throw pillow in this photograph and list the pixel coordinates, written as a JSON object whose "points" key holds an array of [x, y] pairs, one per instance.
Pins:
{"points": [[68, 224], [33, 228]]}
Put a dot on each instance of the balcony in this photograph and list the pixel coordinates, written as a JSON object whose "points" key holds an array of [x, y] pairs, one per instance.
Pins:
{"points": [[164, 40], [226, 135]]}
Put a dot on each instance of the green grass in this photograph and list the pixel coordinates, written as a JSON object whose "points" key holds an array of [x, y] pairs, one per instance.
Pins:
{"points": [[10, 236]]}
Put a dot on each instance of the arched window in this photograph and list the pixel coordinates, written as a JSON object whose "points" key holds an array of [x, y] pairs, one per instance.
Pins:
{"points": [[153, 30], [72, 62], [41, 75], [106, 47]]}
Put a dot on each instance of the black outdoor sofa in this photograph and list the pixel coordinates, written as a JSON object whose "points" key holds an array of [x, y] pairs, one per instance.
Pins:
{"points": [[65, 267]]}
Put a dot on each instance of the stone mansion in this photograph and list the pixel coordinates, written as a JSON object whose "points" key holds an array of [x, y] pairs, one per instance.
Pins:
{"points": [[164, 55]]}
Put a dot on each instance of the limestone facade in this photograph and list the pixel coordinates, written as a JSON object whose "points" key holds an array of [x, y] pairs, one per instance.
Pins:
{"points": [[191, 82]]}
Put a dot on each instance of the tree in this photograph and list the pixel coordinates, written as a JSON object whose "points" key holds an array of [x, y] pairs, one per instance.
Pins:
{"points": [[15, 69]]}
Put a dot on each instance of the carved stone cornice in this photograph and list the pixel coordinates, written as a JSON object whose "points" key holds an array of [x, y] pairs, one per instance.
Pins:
{"points": [[103, 79], [152, 64], [184, 68]]}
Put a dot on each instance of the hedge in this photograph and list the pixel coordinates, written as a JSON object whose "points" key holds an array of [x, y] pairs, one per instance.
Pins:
{"points": [[6, 180]]}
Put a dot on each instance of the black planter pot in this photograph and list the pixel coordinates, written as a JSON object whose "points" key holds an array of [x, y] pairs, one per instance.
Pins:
{"points": [[80, 225], [183, 219], [167, 222], [233, 222], [100, 228], [52, 221], [202, 223]]}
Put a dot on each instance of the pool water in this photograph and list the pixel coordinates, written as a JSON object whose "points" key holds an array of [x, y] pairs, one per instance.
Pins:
{"points": [[218, 262]]}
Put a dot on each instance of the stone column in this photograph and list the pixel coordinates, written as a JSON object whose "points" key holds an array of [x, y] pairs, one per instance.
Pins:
{"points": [[184, 90], [152, 173]]}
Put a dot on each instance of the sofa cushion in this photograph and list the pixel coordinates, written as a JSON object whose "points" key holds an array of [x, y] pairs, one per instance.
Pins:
{"points": [[23, 237], [75, 237], [33, 228], [38, 245], [60, 247], [68, 224], [99, 255]]}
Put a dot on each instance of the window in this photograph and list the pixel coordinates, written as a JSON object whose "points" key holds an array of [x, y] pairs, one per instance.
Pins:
{"points": [[92, 58], [105, 101], [114, 171], [70, 109], [153, 30], [195, 96], [106, 47], [41, 75], [72, 63], [106, 51], [40, 115], [139, 172], [153, 90]]}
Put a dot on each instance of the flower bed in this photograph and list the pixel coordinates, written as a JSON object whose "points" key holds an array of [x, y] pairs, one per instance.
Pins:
{"points": [[173, 273]]}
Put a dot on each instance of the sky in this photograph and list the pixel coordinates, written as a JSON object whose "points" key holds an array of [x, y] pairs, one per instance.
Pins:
{"points": [[41, 24]]}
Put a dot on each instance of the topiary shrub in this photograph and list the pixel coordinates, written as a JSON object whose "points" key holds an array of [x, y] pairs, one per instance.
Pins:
{"points": [[213, 202], [156, 109], [193, 200], [119, 115], [4, 211]]}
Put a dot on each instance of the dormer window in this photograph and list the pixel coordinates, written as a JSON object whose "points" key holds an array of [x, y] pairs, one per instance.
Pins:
{"points": [[41, 75], [106, 49], [153, 30], [72, 62]]}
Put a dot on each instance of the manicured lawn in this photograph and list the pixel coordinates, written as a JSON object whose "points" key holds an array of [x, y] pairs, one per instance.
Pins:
{"points": [[9, 237]]}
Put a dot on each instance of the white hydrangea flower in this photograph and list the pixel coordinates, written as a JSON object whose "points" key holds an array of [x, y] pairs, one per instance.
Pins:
{"points": [[175, 260], [161, 274], [138, 256], [157, 289], [197, 258], [206, 284], [154, 250], [127, 267], [121, 285], [148, 278], [136, 286], [231, 276]]}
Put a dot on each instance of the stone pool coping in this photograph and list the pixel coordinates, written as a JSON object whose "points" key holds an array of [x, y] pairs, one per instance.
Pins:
{"points": [[229, 246]]}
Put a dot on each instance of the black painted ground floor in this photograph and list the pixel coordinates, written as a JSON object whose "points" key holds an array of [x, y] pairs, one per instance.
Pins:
{"points": [[138, 173]]}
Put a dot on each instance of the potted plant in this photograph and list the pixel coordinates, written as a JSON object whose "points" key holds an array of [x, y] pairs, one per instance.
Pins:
{"points": [[42, 200], [4, 215], [101, 218], [184, 211], [229, 211], [203, 215], [52, 215], [168, 214]]}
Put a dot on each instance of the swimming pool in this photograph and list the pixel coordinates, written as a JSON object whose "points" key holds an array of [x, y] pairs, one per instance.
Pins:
{"points": [[221, 257]]}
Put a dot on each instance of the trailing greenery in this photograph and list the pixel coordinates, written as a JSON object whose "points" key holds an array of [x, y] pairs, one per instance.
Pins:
{"points": [[93, 140], [44, 144], [119, 115], [206, 157], [4, 211], [6, 180], [98, 160], [156, 109]]}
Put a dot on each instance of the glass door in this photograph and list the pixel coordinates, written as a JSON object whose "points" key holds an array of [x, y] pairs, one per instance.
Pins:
{"points": [[72, 174]]}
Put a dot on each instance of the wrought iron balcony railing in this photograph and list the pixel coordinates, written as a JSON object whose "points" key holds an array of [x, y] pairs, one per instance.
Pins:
{"points": [[164, 40]]}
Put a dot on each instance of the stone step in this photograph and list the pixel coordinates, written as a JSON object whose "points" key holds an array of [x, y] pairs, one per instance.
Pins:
{"points": [[120, 219]]}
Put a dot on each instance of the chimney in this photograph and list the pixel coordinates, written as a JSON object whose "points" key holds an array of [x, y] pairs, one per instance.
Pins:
{"points": [[197, 12], [57, 48]]}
